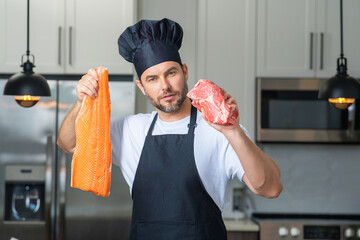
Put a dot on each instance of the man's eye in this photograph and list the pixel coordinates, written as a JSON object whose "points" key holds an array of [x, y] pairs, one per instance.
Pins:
{"points": [[171, 73], [151, 79]]}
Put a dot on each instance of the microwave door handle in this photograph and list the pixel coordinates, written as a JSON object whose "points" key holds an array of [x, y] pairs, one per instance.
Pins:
{"points": [[49, 181]]}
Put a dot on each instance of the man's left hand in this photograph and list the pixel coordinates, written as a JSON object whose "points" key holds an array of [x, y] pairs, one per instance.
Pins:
{"points": [[227, 128]]}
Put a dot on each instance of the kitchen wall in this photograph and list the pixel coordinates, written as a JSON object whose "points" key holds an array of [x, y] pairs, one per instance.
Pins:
{"points": [[317, 178], [184, 12]]}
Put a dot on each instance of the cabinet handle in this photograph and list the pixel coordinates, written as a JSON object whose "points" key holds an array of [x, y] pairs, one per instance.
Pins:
{"points": [[59, 47], [311, 49], [321, 51], [70, 45]]}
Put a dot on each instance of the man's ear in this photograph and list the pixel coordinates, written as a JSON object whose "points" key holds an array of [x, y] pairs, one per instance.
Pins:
{"points": [[140, 86], [185, 70]]}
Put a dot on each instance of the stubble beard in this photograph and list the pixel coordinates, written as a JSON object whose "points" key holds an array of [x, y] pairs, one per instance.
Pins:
{"points": [[168, 108]]}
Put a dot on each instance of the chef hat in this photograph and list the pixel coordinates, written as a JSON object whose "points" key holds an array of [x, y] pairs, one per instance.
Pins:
{"points": [[150, 42]]}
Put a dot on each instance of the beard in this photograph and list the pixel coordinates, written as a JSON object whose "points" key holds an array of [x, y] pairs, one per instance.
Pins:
{"points": [[170, 107]]}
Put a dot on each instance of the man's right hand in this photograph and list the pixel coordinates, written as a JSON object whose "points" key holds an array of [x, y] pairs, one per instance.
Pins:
{"points": [[87, 85]]}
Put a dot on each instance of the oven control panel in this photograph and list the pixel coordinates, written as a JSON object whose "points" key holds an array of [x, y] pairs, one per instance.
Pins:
{"points": [[278, 230]]}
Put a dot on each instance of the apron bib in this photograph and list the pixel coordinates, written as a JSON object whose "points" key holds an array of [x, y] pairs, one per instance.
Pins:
{"points": [[169, 199]]}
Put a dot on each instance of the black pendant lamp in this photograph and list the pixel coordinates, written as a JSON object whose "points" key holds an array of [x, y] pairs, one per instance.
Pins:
{"points": [[27, 86], [341, 90]]}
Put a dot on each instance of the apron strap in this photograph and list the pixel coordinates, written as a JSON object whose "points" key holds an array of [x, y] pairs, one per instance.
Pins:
{"points": [[152, 125], [192, 125]]}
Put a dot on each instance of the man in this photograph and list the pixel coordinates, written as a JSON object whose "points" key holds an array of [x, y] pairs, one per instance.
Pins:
{"points": [[177, 165]]}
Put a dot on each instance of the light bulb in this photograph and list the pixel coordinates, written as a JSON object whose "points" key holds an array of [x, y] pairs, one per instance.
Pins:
{"points": [[341, 103], [27, 100]]}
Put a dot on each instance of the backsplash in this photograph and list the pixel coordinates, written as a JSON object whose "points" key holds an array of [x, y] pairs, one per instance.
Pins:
{"points": [[317, 178]]}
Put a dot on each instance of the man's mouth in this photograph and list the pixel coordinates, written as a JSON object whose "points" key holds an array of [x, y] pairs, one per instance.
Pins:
{"points": [[168, 97]]}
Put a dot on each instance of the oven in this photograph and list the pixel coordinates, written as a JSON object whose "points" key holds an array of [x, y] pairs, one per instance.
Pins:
{"points": [[308, 226]]}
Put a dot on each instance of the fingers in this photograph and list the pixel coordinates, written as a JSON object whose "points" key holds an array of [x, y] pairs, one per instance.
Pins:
{"points": [[231, 102], [226, 95], [228, 99], [93, 73], [87, 85]]}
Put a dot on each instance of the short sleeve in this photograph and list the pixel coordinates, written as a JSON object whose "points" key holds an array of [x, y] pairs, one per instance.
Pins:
{"points": [[116, 133], [233, 166]]}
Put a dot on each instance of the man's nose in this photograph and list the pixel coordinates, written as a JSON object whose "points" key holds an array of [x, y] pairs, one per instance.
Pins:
{"points": [[165, 84]]}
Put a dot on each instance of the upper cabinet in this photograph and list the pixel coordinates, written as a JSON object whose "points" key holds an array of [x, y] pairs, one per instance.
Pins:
{"points": [[301, 38], [66, 37], [226, 50]]}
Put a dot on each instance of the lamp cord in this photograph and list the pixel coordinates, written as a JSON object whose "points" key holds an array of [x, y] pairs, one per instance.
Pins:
{"points": [[341, 30], [28, 31]]}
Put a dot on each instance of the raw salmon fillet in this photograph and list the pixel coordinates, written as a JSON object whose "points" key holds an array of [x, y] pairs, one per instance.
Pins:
{"points": [[209, 99], [91, 163]]}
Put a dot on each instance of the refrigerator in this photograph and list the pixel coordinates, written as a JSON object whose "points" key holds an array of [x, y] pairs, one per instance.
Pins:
{"points": [[36, 200]]}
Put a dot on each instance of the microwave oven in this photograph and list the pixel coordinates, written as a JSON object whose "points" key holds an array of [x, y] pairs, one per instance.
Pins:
{"points": [[288, 110]]}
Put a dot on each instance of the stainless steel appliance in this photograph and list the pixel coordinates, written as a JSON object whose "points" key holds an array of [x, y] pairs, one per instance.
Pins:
{"points": [[308, 226], [37, 202], [288, 110]]}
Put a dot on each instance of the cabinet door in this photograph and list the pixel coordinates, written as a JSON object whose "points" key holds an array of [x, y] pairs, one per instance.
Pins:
{"points": [[46, 18], [286, 38], [329, 28], [226, 50], [92, 30]]}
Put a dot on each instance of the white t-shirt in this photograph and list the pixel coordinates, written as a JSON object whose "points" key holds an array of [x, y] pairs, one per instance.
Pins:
{"points": [[215, 159]]}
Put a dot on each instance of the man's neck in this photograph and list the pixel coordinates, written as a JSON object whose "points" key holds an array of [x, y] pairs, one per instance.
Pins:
{"points": [[181, 113]]}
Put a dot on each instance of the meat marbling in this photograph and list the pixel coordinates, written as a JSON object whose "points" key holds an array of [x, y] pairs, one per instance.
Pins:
{"points": [[209, 99]]}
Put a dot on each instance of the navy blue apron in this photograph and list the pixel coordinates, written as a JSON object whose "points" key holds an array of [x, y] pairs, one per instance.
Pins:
{"points": [[169, 199]]}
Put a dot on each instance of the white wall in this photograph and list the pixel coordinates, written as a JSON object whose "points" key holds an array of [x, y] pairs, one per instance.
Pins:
{"points": [[185, 13], [218, 45]]}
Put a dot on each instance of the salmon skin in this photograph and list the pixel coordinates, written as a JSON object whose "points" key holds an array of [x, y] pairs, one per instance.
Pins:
{"points": [[91, 163]]}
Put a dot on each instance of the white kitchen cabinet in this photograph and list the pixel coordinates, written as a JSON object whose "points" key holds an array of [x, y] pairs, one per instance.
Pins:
{"points": [[66, 37], [226, 51], [329, 24], [301, 38], [45, 18]]}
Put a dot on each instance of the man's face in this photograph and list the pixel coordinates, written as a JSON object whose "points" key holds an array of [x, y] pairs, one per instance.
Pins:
{"points": [[165, 85]]}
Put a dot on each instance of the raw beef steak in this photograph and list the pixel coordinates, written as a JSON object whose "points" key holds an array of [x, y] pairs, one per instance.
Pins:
{"points": [[209, 99]]}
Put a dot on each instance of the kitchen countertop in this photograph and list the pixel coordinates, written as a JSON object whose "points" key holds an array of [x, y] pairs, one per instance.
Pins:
{"points": [[242, 225]]}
